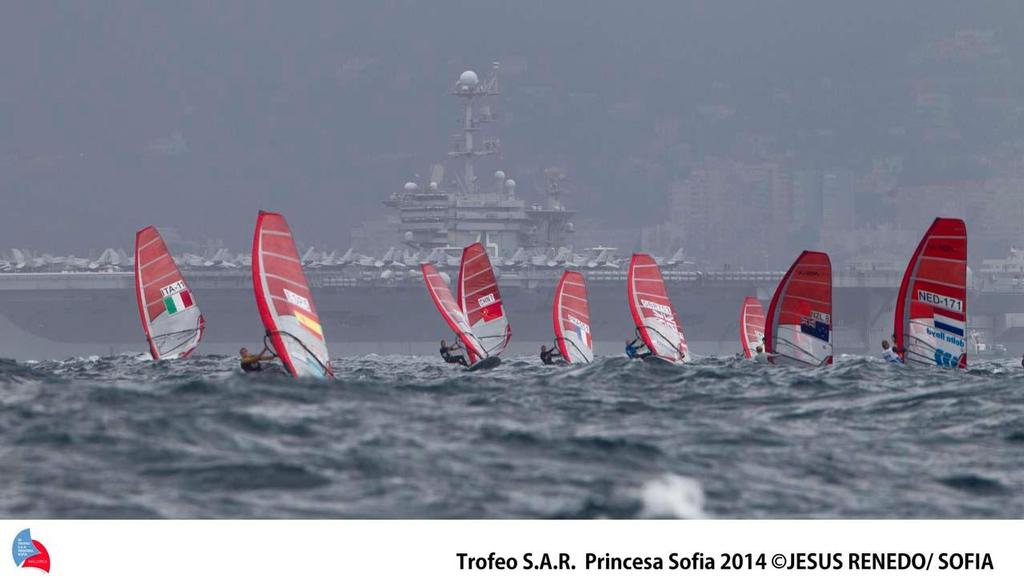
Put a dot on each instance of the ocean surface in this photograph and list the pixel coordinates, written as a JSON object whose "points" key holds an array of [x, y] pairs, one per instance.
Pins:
{"points": [[116, 437]]}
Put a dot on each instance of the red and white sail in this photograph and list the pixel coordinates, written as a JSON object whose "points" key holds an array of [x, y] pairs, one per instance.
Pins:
{"points": [[798, 326], [571, 316], [285, 301], [751, 326], [480, 300], [172, 320], [931, 308], [450, 310], [655, 317]]}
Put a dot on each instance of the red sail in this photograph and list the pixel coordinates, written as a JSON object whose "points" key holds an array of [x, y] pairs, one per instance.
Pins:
{"points": [[450, 310], [798, 327], [480, 300], [931, 308], [285, 301], [751, 325], [172, 321], [571, 318], [653, 313]]}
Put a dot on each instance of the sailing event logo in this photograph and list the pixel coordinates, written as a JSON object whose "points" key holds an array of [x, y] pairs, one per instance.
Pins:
{"points": [[29, 553]]}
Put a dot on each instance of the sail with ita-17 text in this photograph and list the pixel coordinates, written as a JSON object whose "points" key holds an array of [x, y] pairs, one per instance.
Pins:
{"points": [[170, 317]]}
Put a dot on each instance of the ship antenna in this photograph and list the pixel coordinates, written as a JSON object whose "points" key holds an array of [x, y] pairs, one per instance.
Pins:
{"points": [[476, 112]]}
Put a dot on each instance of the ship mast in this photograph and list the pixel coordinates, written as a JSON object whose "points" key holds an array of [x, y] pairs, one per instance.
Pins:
{"points": [[476, 113]]}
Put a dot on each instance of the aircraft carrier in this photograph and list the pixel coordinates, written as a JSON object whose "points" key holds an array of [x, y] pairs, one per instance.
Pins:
{"points": [[69, 306]]}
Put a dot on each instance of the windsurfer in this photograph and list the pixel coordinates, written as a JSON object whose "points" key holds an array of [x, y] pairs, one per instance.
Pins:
{"points": [[447, 351], [637, 348], [552, 356], [760, 354], [250, 362], [900, 353], [889, 354]]}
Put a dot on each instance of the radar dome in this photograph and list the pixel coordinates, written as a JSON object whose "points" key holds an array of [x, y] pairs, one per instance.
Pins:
{"points": [[510, 184], [468, 79], [499, 176], [433, 186], [408, 235], [410, 186]]}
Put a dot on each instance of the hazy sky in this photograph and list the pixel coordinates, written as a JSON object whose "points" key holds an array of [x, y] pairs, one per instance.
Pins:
{"points": [[115, 115]]}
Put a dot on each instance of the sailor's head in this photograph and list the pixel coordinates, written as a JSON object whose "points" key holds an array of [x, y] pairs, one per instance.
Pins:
{"points": [[760, 349], [543, 348], [885, 344], [444, 344], [243, 352]]}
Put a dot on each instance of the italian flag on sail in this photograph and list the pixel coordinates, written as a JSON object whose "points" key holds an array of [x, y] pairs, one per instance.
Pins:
{"points": [[178, 302]]}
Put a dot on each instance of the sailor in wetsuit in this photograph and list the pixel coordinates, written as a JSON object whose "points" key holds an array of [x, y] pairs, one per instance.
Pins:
{"points": [[760, 354], [251, 363], [637, 348], [889, 354], [447, 350], [900, 353], [552, 356]]}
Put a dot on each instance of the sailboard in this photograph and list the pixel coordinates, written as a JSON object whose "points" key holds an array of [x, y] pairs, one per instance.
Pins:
{"points": [[798, 326], [170, 317], [931, 308], [571, 316], [285, 301], [653, 313], [450, 310], [751, 325], [480, 300]]}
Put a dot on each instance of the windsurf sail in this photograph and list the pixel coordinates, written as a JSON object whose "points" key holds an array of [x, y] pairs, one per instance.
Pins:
{"points": [[480, 300], [450, 310], [284, 300], [655, 317], [751, 325], [931, 308], [571, 315], [172, 320], [798, 327]]}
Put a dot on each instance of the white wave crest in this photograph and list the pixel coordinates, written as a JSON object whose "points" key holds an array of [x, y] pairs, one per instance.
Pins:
{"points": [[672, 496]]}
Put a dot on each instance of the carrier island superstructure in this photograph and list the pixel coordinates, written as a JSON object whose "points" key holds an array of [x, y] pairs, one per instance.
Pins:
{"points": [[439, 215], [68, 306]]}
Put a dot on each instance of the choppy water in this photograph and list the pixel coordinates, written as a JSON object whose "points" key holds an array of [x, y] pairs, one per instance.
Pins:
{"points": [[408, 437]]}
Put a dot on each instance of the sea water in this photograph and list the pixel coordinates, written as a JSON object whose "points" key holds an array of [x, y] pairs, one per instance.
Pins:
{"points": [[121, 436]]}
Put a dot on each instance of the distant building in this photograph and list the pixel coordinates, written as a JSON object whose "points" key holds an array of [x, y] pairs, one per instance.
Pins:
{"points": [[726, 209]]}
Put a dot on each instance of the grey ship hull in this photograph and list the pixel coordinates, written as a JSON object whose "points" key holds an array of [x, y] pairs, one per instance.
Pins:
{"points": [[64, 319], [385, 319]]}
